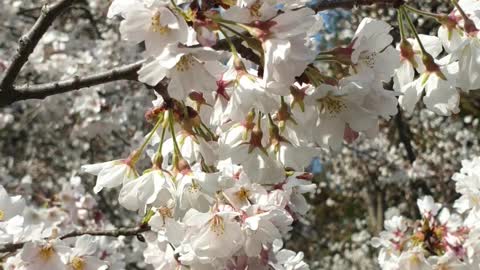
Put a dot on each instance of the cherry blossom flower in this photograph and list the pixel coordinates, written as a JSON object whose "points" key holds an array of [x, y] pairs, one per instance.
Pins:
{"points": [[297, 185], [10, 206], [340, 109], [371, 49], [155, 24], [284, 43], [43, 255], [259, 231], [464, 46], [110, 174], [248, 92], [181, 65], [287, 259], [81, 256], [217, 234], [231, 138], [150, 188]]}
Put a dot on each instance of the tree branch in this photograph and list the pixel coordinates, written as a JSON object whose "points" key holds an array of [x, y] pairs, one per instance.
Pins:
{"points": [[349, 4], [28, 42], [404, 136], [112, 233], [128, 72], [41, 91]]}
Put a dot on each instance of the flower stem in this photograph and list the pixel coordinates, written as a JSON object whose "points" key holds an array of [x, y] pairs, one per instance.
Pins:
{"points": [[325, 53], [259, 119], [178, 9], [401, 25], [224, 21], [270, 120], [311, 76], [459, 8], [328, 59], [241, 35], [172, 132], [162, 138], [422, 12], [414, 31], [147, 140], [212, 135], [230, 43], [468, 25]]}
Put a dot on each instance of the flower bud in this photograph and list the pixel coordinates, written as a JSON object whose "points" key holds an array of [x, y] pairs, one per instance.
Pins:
{"points": [[470, 27], [152, 114], [344, 55], [261, 30], [182, 166], [431, 66], [157, 161], [407, 53]]}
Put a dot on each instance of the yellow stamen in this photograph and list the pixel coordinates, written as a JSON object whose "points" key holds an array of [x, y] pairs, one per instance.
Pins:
{"points": [[331, 104], [46, 252], [156, 26], [255, 9], [217, 225], [165, 212], [195, 187], [77, 263], [185, 63], [243, 194]]}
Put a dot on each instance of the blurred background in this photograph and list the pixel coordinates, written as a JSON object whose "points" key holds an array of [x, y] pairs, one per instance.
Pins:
{"points": [[44, 143]]}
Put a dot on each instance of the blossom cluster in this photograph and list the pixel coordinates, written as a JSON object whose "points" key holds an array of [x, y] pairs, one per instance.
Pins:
{"points": [[442, 78], [242, 107], [229, 143], [42, 232], [230, 138], [441, 239]]}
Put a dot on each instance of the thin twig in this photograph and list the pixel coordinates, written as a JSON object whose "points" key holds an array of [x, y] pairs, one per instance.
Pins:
{"points": [[112, 233], [28, 42], [404, 135], [89, 16], [349, 4], [41, 91], [127, 72]]}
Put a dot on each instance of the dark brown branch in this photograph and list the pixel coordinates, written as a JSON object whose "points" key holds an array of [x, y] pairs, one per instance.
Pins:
{"points": [[28, 42], [128, 72], [41, 91], [404, 136], [112, 233], [349, 4], [90, 17]]}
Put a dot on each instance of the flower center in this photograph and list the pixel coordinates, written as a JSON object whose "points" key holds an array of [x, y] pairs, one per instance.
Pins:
{"points": [[243, 194], [77, 263], [474, 199], [46, 252], [369, 59], [194, 187], [2, 215], [217, 225], [185, 63], [155, 25], [414, 259], [255, 9], [165, 212], [331, 104]]}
